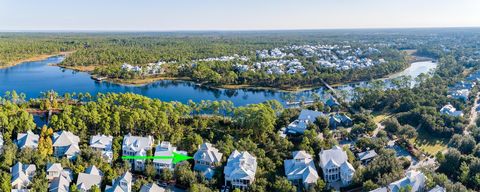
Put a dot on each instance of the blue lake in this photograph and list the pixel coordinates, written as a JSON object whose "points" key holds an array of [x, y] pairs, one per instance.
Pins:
{"points": [[33, 78]]}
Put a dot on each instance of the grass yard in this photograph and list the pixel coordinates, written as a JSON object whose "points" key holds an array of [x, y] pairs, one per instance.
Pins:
{"points": [[428, 144]]}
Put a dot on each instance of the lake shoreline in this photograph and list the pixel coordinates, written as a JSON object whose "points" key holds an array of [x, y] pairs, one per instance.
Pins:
{"points": [[412, 58], [32, 59]]}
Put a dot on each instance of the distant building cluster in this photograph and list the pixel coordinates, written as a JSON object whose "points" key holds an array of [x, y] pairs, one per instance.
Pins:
{"points": [[149, 69]]}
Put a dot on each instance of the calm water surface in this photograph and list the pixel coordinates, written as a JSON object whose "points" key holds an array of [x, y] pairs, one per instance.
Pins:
{"points": [[32, 78]]}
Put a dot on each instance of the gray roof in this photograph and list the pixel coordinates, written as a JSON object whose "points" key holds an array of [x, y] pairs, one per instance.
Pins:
{"points": [[302, 167], [101, 142], [91, 177], [136, 143], [335, 155], [207, 152], [117, 184], [414, 179], [367, 155], [60, 184], [28, 139], [305, 117], [65, 138], [22, 173], [151, 187], [241, 166]]}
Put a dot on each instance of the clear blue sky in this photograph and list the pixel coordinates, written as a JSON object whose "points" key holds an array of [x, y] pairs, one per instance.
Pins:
{"points": [[168, 15]]}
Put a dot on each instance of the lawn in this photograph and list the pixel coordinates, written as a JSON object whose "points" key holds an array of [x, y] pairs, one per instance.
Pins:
{"points": [[429, 144], [380, 117]]}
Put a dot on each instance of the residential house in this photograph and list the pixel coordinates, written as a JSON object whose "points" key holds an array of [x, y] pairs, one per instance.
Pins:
{"points": [[415, 180], [28, 139], [207, 158], [151, 187], [22, 176], [338, 119], [65, 144], [300, 124], [366, 156], [135, 145], [60, 184], [121, 184], [103, 144], [335, 166], [55, 170], [240, 170], [165, 149], [91, 177], [301, 169], [451, 111]]}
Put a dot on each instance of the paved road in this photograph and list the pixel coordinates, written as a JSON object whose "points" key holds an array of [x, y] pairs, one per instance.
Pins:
{"points": [[473, 114]]}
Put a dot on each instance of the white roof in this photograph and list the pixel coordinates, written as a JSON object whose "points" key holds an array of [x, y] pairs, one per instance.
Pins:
{"points": [[28, 139], [438, 189], [414, 179], [65, 138], [151, 187], [241, 166], [136, 143], [335, 156], [165, 148], [116, 184], [101, 142], [367, 155], [302, 167], [57, 167], [60, 184], [305, 117], [91, 177], [22, 173], [207, 152]]}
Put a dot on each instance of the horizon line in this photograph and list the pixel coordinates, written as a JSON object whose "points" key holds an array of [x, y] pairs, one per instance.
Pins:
{"points": [[230, 30]]}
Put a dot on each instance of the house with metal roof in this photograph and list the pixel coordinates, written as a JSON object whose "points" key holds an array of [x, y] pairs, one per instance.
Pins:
{"points": [[22, 175], [415, 180], [103, 144], [301, 169], [366, 156], [121, 184], [137, 146], [240, 170], [165, 149], [28, 139], [335, 166], [301, 123], [65, 144], [92, 176], [151, 187], [207, 159]]}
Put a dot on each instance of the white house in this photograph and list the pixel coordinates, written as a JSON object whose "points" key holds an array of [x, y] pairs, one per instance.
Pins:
{"points": [[87, 180], [207, 158], [135, 145], [165, 149], [301, 169], [65, 144], [28, 139], [300, 124], [103, 144], [366, 156], [1, 143], [54, 170], [151, 187], [60, 184], [121, 184], [450, 110], [413, 179], [240, 170], [335, 166], [22, 175]]}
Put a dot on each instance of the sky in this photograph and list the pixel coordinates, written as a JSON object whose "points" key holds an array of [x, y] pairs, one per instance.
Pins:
{"points": [[184, 15]]}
